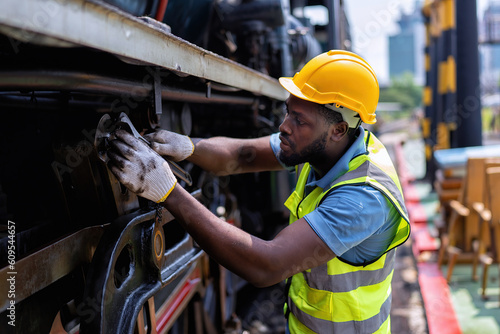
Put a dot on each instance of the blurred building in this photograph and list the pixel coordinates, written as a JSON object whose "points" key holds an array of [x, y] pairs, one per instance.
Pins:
{"points": [[489, 30], [406, 48]]}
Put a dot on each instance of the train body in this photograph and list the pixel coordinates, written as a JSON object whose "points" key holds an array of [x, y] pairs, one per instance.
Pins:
{"points": [[78, 251]]}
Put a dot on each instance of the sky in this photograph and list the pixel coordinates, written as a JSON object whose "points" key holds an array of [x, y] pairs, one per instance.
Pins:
{"points": [[372, 22]]}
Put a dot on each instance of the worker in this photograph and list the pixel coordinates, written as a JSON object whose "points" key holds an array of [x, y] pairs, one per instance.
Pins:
{"points": [[347, 213]]}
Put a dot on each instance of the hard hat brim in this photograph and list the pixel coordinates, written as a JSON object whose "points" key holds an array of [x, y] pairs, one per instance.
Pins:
{"points": [[333, 97], [289, 85]]}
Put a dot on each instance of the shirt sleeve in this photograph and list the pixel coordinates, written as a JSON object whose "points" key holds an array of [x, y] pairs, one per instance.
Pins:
{"points": [[351, 215]]}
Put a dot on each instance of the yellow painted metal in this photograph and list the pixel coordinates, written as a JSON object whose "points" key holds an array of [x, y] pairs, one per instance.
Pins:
{"points": [[428, 152], [426, 8], [443, 136], [451, 74], [426, 127], [449, 14], [442, 77], [438, 14], [447, 78], [427, 96]]}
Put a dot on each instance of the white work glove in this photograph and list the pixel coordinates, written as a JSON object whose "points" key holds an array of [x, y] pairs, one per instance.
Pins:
{"points": [[140, 168], [174, 146]]}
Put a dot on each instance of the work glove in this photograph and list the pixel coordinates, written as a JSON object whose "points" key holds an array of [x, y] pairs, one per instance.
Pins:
{"points": [[140, 168], [174, 146]]}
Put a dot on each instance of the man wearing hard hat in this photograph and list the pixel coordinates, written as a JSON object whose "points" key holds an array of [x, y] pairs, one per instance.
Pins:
{"points": [[347, 213]]}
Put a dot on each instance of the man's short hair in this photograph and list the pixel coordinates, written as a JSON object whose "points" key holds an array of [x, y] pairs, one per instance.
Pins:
{"points": [[331, 116], [334, 117]]}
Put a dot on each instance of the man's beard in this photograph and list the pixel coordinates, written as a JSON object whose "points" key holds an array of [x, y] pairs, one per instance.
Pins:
{"points": [[313, 153]]}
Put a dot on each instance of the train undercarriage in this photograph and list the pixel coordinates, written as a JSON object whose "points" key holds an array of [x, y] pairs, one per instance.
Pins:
{"points": [[87, 255]]}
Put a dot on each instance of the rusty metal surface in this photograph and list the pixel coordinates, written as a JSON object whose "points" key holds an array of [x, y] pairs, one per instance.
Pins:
{"points": [[108, 29], [51, 263]]}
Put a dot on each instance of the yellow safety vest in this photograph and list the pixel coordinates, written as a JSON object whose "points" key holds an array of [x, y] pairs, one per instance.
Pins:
{"points": [[341, 297]]}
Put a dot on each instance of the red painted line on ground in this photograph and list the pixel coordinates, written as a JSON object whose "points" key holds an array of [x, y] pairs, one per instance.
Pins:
{"points": [[425, 242], [441, 317], [422, 239], [405, 177], [410, 193], [417, 214]]}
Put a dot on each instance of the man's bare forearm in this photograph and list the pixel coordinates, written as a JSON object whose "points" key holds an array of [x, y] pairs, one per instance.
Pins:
{"points": [[261, 262], [226, 156], [244, 254]]}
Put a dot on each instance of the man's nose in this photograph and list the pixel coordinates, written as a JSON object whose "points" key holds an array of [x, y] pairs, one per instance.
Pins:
{"points": [[284, 127]]}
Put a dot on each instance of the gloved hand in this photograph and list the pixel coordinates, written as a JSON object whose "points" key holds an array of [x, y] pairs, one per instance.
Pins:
{"points": [[170, 144], [140, 168]]}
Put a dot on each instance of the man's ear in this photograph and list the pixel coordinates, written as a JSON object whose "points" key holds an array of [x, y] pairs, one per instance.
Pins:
{"points": [[338, 131]]}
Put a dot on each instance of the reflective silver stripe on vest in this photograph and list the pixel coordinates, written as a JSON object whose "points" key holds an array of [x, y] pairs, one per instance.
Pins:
{"points": [[319, 279], [325, 326], [369, 169]]}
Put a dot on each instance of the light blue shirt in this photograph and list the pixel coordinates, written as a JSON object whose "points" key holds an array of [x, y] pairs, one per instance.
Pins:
{"points": [[357, 222]]}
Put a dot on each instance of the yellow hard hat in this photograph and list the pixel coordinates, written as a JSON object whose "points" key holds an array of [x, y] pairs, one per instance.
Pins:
{"points": [[337, 77]]}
